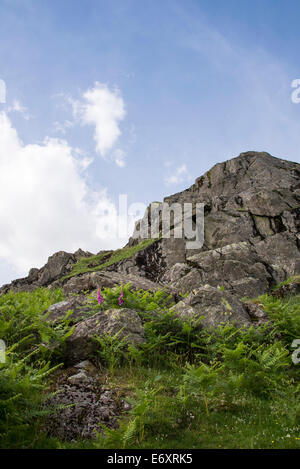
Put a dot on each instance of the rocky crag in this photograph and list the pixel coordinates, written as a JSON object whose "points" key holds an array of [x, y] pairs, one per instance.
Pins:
{"points": [[251, 243]]}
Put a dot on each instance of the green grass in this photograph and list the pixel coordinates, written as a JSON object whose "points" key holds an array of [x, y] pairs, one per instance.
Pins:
{"points": [[33, 350], [294, 279], [99, 262], [233, 388]]}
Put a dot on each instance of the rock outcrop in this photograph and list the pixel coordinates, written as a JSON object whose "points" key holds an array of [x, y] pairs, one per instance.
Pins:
{"points": [[58, 265], [251, 226], [214, 307], [126, 322], [251, 243], [102, 279]]}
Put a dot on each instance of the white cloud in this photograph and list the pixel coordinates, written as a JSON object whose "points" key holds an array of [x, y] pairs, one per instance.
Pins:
{"points": [[18, 107], [181, 174], [45, 202], [62, 127], [104, 109]]}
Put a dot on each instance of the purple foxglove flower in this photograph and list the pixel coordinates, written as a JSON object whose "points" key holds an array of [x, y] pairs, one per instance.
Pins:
{"points": [[99, 297], [121, 301]]}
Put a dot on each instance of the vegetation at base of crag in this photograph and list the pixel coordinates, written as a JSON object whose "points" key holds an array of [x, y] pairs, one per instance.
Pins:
{"points": [[189, 388]]}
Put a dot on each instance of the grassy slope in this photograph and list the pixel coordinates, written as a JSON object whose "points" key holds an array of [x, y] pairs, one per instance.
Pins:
{"points": [[99, 262], [236, 389]]}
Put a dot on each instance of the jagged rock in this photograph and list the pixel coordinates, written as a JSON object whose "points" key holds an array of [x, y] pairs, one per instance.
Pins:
{"points": [[81, 283], [246, 269], [215, 306], [153, 261], [237, 267], [58, 265], [175, 273], [80, 345], [256, 312], [253, 199], [81, 404], [93, 280], [80, 253], [191, 281], [280, 253], [77, 304]]}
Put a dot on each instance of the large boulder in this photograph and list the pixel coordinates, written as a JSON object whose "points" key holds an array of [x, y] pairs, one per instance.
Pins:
{"points": [[58, 265], [78, 306], [214, 306], [81, 344]]}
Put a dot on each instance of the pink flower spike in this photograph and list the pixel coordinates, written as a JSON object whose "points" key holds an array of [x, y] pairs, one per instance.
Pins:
{"points": [[99, 297], [121, 301]]}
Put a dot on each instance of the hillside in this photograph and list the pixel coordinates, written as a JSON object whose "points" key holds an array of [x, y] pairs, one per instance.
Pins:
{"points": [[179, 347]]}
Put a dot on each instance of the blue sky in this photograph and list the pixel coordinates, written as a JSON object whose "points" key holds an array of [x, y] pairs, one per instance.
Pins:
{"points": [[134, 97]]}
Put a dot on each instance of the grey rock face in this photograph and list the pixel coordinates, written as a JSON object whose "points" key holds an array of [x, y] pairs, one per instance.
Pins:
{"points": [[58, 265], [216, 307], [153, 261], [93, 280], [246, 269], [252, 221], [251, 242], [80, 345], [237, 267], [78, 305], [256, 312]]}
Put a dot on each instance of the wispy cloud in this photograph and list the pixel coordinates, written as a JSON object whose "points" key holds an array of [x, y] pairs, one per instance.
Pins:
{"points": [[18, 107], [62, 127], [179, 175], [118, 157]]}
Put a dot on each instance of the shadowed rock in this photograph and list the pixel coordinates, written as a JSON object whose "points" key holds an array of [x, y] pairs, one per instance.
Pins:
{"points": [[81, 344]]}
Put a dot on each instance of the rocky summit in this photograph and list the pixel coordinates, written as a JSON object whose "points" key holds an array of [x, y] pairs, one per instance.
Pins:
{"points": [[251, 226]]}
